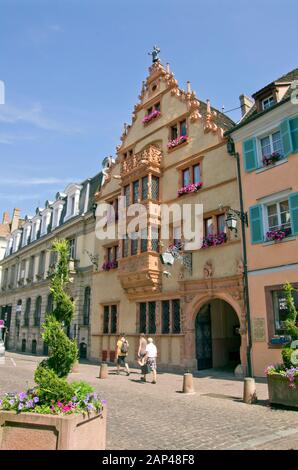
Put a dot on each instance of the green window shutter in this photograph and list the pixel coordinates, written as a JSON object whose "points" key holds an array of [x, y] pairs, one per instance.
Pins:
{"points": [[256, 224], [286, 137], [294, 133], [250, 154], [293, 204]]}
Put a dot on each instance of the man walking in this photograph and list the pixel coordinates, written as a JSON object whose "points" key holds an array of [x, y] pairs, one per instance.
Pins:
{"points": [[150, 360], [121, 354]]}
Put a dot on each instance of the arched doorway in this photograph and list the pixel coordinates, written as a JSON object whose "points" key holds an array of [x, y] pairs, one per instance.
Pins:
{"points": [[23, 345], [83, 350], [217, 336], [33, 348]]}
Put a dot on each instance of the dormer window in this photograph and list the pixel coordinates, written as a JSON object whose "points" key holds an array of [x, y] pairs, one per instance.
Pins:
{"points": [[73, 192], [57, 212], [268, 102], [152, 113], [46, 219]]}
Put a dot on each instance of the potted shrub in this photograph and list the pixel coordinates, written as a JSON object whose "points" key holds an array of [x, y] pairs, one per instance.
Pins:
{"points": [[283, 378], [55, 414]]}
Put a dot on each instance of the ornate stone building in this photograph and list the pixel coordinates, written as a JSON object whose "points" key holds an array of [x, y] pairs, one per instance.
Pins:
{"points": [[194, 309], [25, 297]]}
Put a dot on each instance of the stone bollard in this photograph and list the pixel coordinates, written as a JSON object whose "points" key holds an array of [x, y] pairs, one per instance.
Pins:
{"points": [[75, 367], [103, 372], [249, 392], [188, 383]]}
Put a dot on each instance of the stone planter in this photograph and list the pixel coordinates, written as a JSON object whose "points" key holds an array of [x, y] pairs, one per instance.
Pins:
{"points": [[32, 431], [280, 393]]}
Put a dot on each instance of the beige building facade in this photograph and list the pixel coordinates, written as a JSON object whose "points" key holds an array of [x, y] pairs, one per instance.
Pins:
{"points": [[25, 296], [173, 152]]}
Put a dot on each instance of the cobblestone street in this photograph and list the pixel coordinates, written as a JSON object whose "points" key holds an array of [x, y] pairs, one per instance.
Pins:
{"points": [[147, 416]]}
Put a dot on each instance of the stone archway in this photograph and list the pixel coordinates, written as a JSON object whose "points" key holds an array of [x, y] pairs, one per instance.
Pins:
{"points": [[217, 337], [199, 293]]}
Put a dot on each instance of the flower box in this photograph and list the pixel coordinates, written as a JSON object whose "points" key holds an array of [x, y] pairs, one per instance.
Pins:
{"points": [[149, 117], [190, 188], [277, 235], [280, 392], [272, 159], [175, 142], [214, 240], [107, 265], [33, 431]]}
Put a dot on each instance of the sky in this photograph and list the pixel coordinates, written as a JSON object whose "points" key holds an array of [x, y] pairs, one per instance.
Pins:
{"points": [[73, 69]]}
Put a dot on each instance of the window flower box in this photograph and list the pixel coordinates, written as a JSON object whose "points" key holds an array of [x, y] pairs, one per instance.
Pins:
{"points": [[175, 142], [272, 159], [107, 265], [149, 117], [214, 240], [278, 235], [190, 188]]}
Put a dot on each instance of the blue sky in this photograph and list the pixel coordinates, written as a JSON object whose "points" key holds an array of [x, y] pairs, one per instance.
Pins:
{"points": [[73, 70]]}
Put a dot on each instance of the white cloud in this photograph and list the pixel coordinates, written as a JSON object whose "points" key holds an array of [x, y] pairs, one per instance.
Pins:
{"points": [[35, 181], [35, 116]]}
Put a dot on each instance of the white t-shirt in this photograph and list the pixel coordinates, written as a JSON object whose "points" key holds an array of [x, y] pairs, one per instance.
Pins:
{"points": [[151, 350]]}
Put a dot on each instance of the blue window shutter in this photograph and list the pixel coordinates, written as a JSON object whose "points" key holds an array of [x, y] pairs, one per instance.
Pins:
{"points": [[250, 154], [256, 224], [286, 137], [293, 204], [294, 133]]}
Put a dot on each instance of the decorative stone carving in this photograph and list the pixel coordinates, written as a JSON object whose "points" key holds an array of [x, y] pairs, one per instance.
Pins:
{"points": [[240, 266], [150, 157], [208, 269]]}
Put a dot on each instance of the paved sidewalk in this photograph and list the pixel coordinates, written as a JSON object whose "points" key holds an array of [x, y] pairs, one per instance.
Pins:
{"points": [[147, 416]]}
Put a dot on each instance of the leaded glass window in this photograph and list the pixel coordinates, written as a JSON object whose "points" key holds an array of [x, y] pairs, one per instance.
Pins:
{"points": [[151, 317], [143, 322], [165, 321]]}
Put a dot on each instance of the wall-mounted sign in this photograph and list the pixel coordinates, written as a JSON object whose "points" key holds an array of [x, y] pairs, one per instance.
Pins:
{"points": [[258, 329]]}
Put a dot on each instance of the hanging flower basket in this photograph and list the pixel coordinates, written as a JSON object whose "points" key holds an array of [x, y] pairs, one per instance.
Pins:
{"points": [[214, 240], [180, 140], [149, 117], [190, 188], [271, 159], [107, 265]]}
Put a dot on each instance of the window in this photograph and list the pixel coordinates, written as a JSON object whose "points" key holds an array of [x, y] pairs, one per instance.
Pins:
{"points": [[127, 194], [147, 317], [72, 205], [155, 238], [125, 247], [144, 240], [280, 309], [186, 177], [112, 254], [72, 248], [191, 175], [22, 270], [155, 187], [27, 312], [135, 186], [208, 226], [86, 307], [145, 188], [50, 304], [177, 236], [31, 268], [12, 276], [134, 243], [37, 312], [271, 144], [268, 102], [53, 258], [221, 223], [41, 266], [278, 216], [183, 128], [174, 132], [110, 319]]}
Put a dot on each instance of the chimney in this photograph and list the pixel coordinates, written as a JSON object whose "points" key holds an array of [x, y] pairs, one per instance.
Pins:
{"points": [[246, 104], [15, 219], [6, 218]]}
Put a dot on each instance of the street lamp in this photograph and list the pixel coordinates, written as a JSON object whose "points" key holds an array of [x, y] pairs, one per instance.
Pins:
{"points": [[232, 218]]}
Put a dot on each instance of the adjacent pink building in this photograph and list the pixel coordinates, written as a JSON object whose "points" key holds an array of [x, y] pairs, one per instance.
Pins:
{"points": [[267, 142]]}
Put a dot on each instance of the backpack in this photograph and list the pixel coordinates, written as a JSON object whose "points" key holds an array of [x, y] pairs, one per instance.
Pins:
{"points": [[124, 347]]}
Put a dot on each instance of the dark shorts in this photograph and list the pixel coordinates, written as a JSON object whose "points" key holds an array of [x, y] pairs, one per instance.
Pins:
{"points": [[121, 360]]}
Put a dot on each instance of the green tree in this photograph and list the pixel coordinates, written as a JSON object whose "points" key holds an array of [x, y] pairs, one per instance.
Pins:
{"points": [[51, 373], [291, 326]]}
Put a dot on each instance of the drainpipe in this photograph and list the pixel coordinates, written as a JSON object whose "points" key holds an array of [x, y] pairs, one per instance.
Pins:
{"points": [[231, 151], [245, 275]]}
